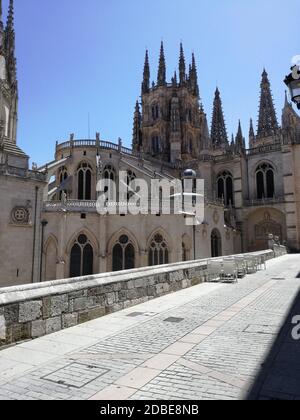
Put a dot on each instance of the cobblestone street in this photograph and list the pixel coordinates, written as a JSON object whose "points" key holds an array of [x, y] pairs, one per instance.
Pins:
{"points": [[213, 341]]}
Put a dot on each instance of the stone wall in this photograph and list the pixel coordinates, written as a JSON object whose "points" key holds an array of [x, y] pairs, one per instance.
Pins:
{"points": [[31, 311]]}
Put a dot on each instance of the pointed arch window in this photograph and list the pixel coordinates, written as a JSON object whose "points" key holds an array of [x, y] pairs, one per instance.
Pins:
{"points": [[216, 244], [62, 176], [123, 254], [265, 181], [82, 257], [155, 145], [225, 188], [155, 112], [131, 176], [109, 173], [158, 251], [84, 181], [189, 115]]}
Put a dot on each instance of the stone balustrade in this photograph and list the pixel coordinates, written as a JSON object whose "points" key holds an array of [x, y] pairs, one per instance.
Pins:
{"points": [[32, 311]]}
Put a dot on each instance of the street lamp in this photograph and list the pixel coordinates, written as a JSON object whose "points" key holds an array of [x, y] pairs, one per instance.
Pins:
{"points": [[293, 83]]}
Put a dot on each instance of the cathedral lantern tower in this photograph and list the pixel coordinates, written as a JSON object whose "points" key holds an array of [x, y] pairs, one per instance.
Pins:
{"points": [[172, 123]]}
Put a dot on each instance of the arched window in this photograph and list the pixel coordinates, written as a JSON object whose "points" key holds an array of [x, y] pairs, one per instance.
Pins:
{"points": [[84, 182], [123, 255], [189, 115], [158, 252], [155, 112], [216, 244], [155, 145], [82, 257], [109, 172], [225, 188], [265, 181], [62, 176], [130, 184]]}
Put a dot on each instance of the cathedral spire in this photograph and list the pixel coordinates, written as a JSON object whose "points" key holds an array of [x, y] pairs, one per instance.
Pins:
{"points": [[146, 76], [182, 68], [251, 131], [10, 17], [1, 30], [136, 139], [161, 77], [218, 129], [240, 140], [194, 77], [174, 80], [10, 45], [267, 121]]}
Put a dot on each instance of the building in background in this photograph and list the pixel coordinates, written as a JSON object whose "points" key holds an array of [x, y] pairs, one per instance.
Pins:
{"points": [[49, 225]]}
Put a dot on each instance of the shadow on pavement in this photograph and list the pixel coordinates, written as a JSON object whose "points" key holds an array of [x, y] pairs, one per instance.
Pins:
{"points": [[279, 377]]}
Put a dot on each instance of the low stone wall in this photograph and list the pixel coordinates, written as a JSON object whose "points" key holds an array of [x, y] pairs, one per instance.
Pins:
{"points": [[35, 310]]}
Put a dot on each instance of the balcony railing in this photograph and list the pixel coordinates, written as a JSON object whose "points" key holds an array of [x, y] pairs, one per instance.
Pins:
{"points": [[90, 206], [265, 149], [101, 144], [264, 202], [22, 173]]}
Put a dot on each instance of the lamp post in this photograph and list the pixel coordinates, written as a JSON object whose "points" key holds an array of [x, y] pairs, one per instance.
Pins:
{"points": [[293, 83]]}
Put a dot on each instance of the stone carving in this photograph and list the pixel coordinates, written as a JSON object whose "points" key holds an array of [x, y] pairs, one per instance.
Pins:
{"points": [[20, 215]]}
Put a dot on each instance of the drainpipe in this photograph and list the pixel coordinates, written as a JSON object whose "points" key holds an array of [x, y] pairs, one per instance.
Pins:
{"points": [[44, 224], [194, 238], [34, 233]]}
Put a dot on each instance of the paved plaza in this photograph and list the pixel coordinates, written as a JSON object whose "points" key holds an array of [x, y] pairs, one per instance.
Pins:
{"points": [[212, 341]]}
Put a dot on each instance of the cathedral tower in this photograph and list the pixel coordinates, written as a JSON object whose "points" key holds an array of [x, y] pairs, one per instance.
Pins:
{"points": [[171, 125], [8, 90]]}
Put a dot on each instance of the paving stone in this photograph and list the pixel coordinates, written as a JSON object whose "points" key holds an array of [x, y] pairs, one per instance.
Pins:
{"points": [[238, 324]]}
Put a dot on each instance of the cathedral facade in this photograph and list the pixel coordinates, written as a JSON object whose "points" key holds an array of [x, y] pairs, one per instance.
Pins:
{"points": [[49, 224]]}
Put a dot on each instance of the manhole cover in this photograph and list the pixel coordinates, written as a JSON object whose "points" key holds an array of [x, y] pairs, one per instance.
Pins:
{"points": [[134, 314], [76, 375], [174, 320]]}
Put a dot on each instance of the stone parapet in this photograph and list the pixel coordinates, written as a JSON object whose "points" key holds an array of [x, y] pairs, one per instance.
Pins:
{"points": [[31, 311]]}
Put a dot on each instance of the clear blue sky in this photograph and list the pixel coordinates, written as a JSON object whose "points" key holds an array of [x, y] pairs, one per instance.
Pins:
{"points": [[77, 57]]}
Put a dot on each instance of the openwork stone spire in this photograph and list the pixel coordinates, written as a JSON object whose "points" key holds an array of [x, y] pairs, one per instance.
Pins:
{"points": [[182, 68], [267, 121], [136, 139], [218, 129], [161, 77], [251, 131], [10, 45], [194, 78], [146, 76], [240, 140], [1, 30]]}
